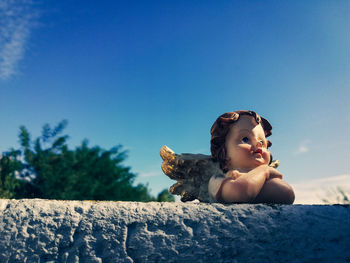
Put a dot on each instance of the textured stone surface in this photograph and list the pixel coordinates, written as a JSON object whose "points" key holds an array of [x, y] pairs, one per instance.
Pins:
{"points": [[73, 231]]}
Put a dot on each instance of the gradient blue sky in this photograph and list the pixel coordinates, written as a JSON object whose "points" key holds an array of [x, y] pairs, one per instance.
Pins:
{"points": [[148, 73]]}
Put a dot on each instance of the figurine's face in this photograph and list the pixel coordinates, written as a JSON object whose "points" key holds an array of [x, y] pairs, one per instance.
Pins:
{"points": [[246, 145]]}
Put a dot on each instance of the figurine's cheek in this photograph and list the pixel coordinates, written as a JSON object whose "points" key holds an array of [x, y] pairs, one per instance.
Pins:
{"points": [[246, 149]]}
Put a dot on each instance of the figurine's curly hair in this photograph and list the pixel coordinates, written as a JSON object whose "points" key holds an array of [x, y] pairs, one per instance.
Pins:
{"points": [[222, 126]]}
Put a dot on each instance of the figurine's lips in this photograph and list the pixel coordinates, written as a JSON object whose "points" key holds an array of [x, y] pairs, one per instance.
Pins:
{"points": [[258, 151]]}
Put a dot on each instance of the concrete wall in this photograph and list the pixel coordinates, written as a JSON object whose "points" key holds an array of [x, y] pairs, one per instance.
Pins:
{"points": [[73, 231]]}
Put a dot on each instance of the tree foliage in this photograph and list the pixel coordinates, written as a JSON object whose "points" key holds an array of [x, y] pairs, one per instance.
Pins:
{"points": [[9, 165], [47, 168], [165, 196]]}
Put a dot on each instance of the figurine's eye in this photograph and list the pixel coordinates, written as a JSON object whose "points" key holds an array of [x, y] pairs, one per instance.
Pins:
{"points": [[262, 142], [245, 139]]}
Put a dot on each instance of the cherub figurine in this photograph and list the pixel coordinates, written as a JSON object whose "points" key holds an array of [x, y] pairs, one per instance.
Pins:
{"points": [[239, 170]]}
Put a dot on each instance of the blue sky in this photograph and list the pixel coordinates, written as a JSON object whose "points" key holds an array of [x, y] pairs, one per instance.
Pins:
{"points": [[150, 73]]}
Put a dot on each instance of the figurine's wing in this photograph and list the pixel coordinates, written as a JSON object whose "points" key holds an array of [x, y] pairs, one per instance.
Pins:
{"points": [[274, 164], [192, 173]]}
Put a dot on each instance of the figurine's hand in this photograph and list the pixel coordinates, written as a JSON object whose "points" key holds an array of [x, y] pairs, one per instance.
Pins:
{"points": [[234, 174], [268, 171], [273, 173]]}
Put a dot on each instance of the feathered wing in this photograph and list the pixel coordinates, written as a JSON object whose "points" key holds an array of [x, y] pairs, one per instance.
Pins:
{"points": [[192, 173]]}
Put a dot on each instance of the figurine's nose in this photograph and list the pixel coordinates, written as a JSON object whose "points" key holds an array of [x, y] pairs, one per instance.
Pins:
{"points": [[259, 144], [256, 145]]}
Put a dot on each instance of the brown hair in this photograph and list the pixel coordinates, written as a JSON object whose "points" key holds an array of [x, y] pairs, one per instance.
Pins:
{"points": [[222, 126]]}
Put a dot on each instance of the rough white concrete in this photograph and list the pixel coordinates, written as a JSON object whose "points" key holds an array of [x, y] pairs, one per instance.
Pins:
{"points": [[73, 231]]}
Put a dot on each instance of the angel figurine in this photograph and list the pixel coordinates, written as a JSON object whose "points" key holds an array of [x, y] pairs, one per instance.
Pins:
{"points": [[240, 168]]}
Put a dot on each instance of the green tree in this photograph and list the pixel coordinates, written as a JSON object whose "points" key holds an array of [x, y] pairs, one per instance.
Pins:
{"points": [[9, 166], [165, 196], [47, 168]]}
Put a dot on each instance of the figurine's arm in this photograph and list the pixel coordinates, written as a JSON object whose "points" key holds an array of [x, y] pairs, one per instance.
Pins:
{"points": [[275, 191], [247, 186]]}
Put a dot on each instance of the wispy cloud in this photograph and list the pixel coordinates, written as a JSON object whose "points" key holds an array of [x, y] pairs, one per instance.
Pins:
{"points": [[303, 147], [313, 191], [17, 18], [152, 173]]}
